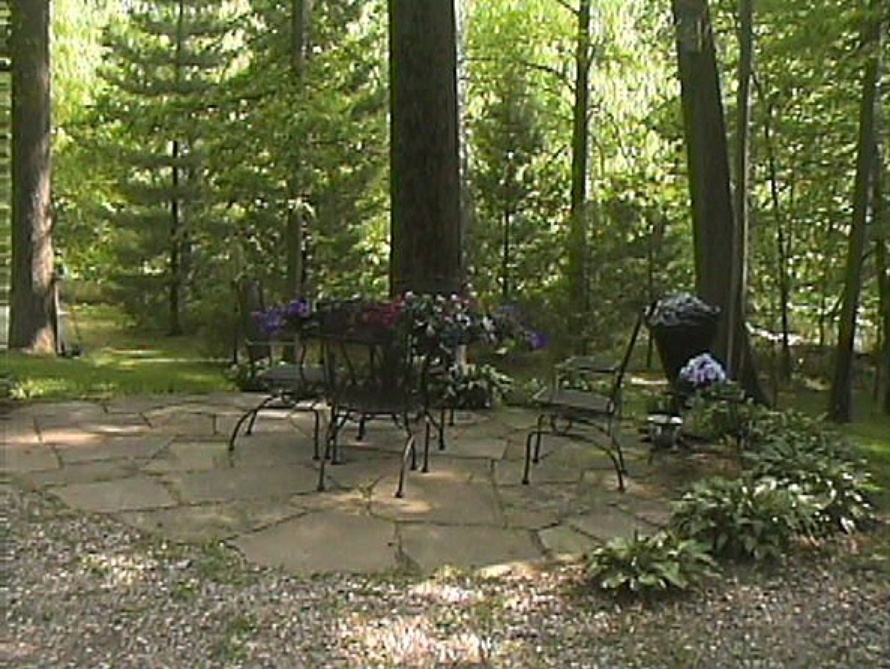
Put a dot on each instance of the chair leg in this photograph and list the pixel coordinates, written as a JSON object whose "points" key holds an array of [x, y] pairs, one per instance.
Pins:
{"points": [[324, 460], [610, 432], [618, 463], [426, 446], [538, 432], [253, 414], [409, 447], [315, 432], [238, 425], [528, 456], [441, 427]]}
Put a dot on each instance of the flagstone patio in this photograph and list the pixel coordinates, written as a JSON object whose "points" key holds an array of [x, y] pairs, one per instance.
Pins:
{"points": [[161, 464]]}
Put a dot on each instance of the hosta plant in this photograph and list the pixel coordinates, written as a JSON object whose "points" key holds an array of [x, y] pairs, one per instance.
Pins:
{"points": [[650, 564], [837, 483], [744, 518]]}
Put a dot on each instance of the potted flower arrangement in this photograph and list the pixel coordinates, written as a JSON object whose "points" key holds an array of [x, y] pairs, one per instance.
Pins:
{"points": [[683, 326], [283, 319]]}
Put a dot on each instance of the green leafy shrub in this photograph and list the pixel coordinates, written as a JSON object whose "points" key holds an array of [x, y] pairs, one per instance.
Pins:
{"points": [[799, 452], [744, 518], [650, 564], [720, 412], [473, 386]]}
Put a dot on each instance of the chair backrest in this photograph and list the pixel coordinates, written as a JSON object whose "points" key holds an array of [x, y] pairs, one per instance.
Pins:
{"points": [[248, 301], [363, 355], [628, 353]]}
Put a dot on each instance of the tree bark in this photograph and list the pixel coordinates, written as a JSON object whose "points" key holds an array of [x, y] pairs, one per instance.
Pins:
{"points": [[33, 311], [174, 296], [841, 395], [714, 226], [738, 296], [881, 226], [577, 239], [300, 14], [424, 158], [782, 250]]}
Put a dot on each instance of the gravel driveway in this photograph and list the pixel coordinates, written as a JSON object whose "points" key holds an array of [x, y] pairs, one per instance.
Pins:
{"points": [[84, 591]]}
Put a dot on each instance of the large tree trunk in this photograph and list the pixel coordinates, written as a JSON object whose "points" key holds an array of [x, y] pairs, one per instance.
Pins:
{"points": [[714, 225], [577, 239], [840, 400], [174, 295], [881, 226], [738, 296], [782, 250], [424, 161], [300, 14], [33, 312]]}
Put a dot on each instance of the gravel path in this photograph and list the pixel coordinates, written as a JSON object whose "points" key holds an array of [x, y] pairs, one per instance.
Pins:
{"points": [[84, 591]]}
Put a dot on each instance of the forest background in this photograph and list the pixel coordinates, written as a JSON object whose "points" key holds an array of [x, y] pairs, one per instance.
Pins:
{"points": [[268, 128]]}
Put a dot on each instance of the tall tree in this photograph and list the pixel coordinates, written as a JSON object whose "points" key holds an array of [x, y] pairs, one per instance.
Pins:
{"points": [[738, 296], [840, 400], [301, 12], [165, 68], [714, 225], [882, 268], [33, 308], [577, 240], [424, 158]]}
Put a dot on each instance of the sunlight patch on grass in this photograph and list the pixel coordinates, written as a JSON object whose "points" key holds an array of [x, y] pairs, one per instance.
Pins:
{"points": [[116, 360]]}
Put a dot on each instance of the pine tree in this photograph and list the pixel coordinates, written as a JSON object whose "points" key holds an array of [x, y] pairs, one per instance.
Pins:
{"points": [[166, 63]]}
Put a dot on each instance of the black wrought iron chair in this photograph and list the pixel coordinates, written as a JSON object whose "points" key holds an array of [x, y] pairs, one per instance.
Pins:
{"points": [[575, 402], [371, 372], [278, 367]]}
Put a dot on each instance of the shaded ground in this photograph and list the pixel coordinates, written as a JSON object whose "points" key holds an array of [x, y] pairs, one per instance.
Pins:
{"points": [[161, 464], [134, 540], [82, 590]]}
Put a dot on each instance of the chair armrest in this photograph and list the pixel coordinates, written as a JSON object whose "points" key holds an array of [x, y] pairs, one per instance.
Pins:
{"points": [[583, 364]]}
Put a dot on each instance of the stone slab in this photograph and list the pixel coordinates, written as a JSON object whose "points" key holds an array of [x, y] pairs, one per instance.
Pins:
{"points": [[86, 472], [608, 523], [113, 448], [181, 456], [19, 431], [18, 459], [429, 547], [324, 542], [185, 424], [289, 447], [242, 483], [137, 492], [209, 522], [490, 448], [437, 497], [563, 542]]}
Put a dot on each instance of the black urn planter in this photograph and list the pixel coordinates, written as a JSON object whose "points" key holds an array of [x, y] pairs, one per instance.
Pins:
{"points": [[683, 326]]}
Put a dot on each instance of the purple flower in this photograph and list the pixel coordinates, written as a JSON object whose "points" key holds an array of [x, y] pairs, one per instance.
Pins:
{"points": [[298, 309], [278, 319], [702, 371], [538, 340]]}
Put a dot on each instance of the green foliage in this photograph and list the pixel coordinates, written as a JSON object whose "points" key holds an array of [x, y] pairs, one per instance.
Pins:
{"points": [[117, 359], [650, 564], [745, 518], [720, 413], [474, 386], [163, 69], [802, 453]]}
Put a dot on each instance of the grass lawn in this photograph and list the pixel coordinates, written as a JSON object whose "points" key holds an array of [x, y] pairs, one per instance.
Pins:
{"points": [[869, 431], [116, 359]]}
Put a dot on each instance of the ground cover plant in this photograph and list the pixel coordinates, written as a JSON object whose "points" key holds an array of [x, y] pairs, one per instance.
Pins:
{"points": [[115, 358], [798, 479]]}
